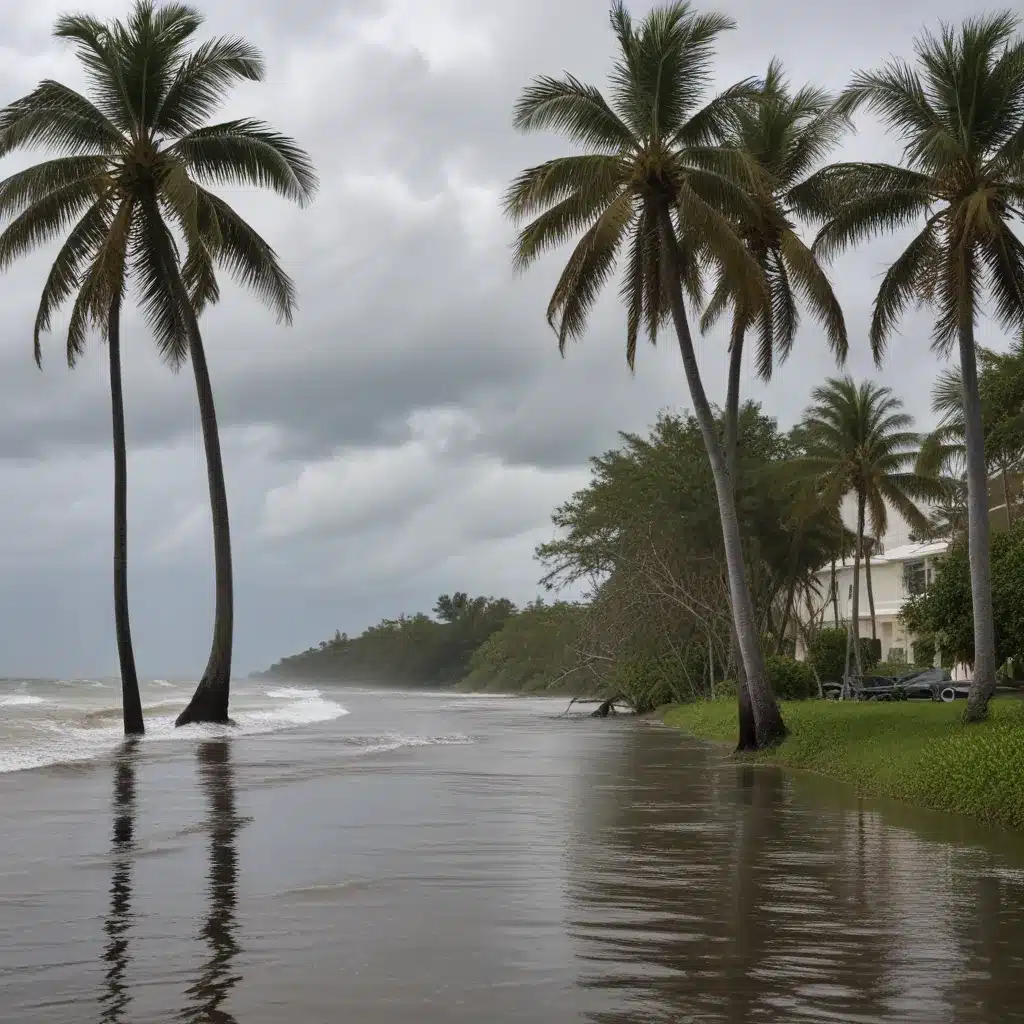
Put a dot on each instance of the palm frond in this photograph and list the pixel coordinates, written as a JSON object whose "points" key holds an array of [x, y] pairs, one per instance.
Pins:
{"points": [[587, 270], [60, 119], [48, 217], [201, 82], [816, 291], [248, 152], [34, 183], [577, 110], [594, 177]]}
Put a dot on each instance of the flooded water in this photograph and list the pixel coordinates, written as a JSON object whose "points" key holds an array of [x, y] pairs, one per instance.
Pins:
{"points": [[435, 858]]}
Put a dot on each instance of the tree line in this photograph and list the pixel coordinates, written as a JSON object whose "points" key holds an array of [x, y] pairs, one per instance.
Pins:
{"points": [[642, 541]]}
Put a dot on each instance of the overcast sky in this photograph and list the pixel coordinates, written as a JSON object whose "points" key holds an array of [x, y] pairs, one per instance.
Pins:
{"points": [[412, 432]]}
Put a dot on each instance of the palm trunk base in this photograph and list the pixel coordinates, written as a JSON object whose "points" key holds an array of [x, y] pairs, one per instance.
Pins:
{"points": [[133, 722], [208, 704], [978, 700], [748, 727], [771, 729]]}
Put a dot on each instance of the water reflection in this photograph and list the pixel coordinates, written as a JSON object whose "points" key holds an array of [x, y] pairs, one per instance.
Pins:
{"points": [[220, 929], [116, 996], [732, 893]]}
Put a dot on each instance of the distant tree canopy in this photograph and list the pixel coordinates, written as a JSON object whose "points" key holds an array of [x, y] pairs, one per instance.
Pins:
{"points": [[410, 650], [644, 538]]}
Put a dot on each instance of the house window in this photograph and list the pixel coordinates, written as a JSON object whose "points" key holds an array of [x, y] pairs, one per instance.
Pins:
{"points": [[916, 578]]}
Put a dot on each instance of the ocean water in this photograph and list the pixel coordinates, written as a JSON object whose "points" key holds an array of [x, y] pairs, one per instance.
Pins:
{"points": [[63, 721]]}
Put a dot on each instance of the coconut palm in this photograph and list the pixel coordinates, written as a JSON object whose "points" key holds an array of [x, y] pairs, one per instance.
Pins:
{"points": [[651, 180], [959, 112], [858, 442], [126, 187], [787, 136]]}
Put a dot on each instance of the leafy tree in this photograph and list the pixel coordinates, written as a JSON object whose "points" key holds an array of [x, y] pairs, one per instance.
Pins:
{"points": [[1001, 393], [944, 613], [653, 181], [959, 112], [857, 441], [134, 155]]}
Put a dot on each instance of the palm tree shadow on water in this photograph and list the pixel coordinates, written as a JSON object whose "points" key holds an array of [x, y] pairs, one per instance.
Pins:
{"points": [[216, 978], [116, 997]]}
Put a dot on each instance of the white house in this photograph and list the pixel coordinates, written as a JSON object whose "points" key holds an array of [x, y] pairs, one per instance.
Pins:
{"points": [[897, 573]]}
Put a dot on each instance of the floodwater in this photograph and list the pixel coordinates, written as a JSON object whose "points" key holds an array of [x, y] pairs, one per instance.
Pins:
{"points": [[373, 857]]}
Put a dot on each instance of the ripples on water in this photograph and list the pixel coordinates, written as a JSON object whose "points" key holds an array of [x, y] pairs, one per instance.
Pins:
{"points": [[464, 860]]}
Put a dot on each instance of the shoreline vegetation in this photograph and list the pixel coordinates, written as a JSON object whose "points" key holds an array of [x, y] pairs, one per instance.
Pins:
{"points": [[916, 752]]}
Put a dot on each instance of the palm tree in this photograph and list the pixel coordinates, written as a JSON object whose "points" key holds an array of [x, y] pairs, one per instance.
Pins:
{"points": [[960, 115], [857, 441], [652, 179], [134, 155], [786, 135]]}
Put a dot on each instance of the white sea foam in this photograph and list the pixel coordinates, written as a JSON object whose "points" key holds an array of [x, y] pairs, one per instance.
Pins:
{"points": [[397, 741], [15, 700], [95, 733]]}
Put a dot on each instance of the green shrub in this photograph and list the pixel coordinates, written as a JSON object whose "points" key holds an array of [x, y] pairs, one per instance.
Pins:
{"points": [[895, 668], [725, 688], [873, 651], [924, 650], [790, 679], [827, 653]]}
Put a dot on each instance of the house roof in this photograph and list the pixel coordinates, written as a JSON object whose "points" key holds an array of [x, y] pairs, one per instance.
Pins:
{"points": [[905, 552], [902, 553]]}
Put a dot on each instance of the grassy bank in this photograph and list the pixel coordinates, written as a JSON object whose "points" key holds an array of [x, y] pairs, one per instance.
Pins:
{"points": [[918, 752]]}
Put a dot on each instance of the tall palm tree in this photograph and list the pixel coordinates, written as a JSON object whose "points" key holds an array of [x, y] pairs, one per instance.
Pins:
{"points": [[126, 187], [959, 112], [651, 179], [858, 442], [787, 136]]}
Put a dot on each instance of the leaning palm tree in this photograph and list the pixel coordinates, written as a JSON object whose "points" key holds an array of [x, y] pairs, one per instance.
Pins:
{"points": [[128, 184], [960, 115], [858, 442], [651, 180], [787, 136]]}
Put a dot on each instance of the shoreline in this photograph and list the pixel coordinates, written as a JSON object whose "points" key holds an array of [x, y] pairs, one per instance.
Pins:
{"points": [[917, 753]]}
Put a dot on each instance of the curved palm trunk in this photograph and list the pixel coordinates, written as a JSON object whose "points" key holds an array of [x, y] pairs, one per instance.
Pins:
{"points": [[131, 701], [769, 726], [871, 594], [983, 682], [747, 730], [855, 603], [210, 701]]}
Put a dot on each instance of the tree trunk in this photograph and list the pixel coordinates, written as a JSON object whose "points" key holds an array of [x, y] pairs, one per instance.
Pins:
{"points": [[210, 701], [131, 700], [768, 724], [835, 594], [855, 604], [747, 739], [983, 682], [1006, 497], [871, 593]]}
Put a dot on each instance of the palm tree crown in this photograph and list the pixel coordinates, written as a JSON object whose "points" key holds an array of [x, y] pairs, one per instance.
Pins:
{"points": [[134, 154], [652, 141], [786, 135]]}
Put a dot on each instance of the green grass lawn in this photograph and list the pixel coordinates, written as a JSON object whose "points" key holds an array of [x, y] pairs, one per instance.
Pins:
{"points": [[916, 751]]}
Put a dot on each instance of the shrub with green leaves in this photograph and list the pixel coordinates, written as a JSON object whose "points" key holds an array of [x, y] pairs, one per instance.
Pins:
{"points": [[790, 679]]}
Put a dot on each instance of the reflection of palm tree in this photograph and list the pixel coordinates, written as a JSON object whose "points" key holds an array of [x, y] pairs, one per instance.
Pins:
{"points": [[116, 997], [216, 979]]}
